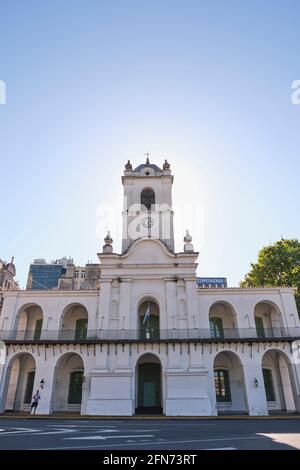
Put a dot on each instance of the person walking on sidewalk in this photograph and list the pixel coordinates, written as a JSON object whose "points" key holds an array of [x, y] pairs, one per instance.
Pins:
{"points": [[35, 401]]}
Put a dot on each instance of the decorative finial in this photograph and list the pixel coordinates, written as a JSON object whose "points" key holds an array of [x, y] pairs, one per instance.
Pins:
{"points": [[128, 166], [108, 240], [188, 238], [108, 248], [147, 155], [166, 165], [188, 246]]}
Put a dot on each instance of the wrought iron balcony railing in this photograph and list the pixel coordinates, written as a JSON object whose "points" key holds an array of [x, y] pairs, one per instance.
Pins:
{"points": [[195, 334]]}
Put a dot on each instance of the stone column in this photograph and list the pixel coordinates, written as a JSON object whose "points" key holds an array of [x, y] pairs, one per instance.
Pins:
{"points": [[126, 320], [3, 377], [104, 304], [192, 303], [172, 313], [45, 369], [254, 386]]}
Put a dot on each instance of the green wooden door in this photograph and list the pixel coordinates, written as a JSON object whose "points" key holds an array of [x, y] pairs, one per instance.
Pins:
{"points": [[260, 330], [149, 385], [29, 387], [269, 385], [81, 329], [75, 388], [216, 327], [38, 330]]}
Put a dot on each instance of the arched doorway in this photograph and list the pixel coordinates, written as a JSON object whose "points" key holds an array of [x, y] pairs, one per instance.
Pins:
{"points": [[74, 323], [29, 323], [268, 320], [148, 318], [67, 384], [19, 388], [222, 321], [229, 383], [279, 382], [148, 385]]}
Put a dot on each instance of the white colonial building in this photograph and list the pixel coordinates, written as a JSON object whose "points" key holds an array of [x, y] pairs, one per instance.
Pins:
{"points": [[149, 339]]}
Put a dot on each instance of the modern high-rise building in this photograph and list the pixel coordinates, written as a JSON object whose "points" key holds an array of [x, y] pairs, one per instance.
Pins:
{"points": [[62, 274], [43, 275]]}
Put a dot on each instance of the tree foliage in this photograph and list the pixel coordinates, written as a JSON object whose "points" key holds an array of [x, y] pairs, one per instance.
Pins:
{"points": [[278, 265]]}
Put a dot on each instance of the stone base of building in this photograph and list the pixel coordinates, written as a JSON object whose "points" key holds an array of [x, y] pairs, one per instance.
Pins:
{"points": [[100, 407], [110, 394], [188, 407]]}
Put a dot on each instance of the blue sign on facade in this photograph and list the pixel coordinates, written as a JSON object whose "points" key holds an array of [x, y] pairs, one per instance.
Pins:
{"points": [[212, 282]]}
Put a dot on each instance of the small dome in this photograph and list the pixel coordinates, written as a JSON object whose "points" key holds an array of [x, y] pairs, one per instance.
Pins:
{"points": [[147, 165]]}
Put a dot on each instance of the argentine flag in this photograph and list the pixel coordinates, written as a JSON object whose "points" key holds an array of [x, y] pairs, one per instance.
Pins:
{"points": [[147, 313]]}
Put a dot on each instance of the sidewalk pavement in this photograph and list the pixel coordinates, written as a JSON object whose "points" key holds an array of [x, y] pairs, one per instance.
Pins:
{"points": [[74, 416]]}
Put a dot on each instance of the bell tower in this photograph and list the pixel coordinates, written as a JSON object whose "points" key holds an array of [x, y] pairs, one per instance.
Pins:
{"points": [[147, 206]]}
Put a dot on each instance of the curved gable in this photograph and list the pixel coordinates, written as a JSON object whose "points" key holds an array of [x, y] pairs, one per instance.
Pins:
{"points": [[148, 251]]}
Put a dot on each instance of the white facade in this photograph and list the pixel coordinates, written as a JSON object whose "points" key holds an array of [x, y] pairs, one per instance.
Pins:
{"points": [[200, 352]]}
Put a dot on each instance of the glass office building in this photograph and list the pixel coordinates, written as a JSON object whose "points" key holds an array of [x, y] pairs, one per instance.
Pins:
{"points": [[44, 276]]}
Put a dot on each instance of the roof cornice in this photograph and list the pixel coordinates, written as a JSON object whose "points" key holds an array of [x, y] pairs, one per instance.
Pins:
{"points": [[246, 290], [50, 293]]}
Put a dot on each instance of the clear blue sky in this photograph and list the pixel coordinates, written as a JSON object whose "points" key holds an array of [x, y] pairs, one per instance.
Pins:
{"points": [[206, 84]]}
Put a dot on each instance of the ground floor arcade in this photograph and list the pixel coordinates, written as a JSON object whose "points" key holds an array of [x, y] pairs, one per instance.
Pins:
{"points": [[177, 379]]}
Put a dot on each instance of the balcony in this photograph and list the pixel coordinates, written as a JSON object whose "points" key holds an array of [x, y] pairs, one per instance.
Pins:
{"points": [[151, 335]]}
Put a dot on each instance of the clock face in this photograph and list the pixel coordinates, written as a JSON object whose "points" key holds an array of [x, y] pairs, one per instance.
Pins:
{"points": [[148, 222]]}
